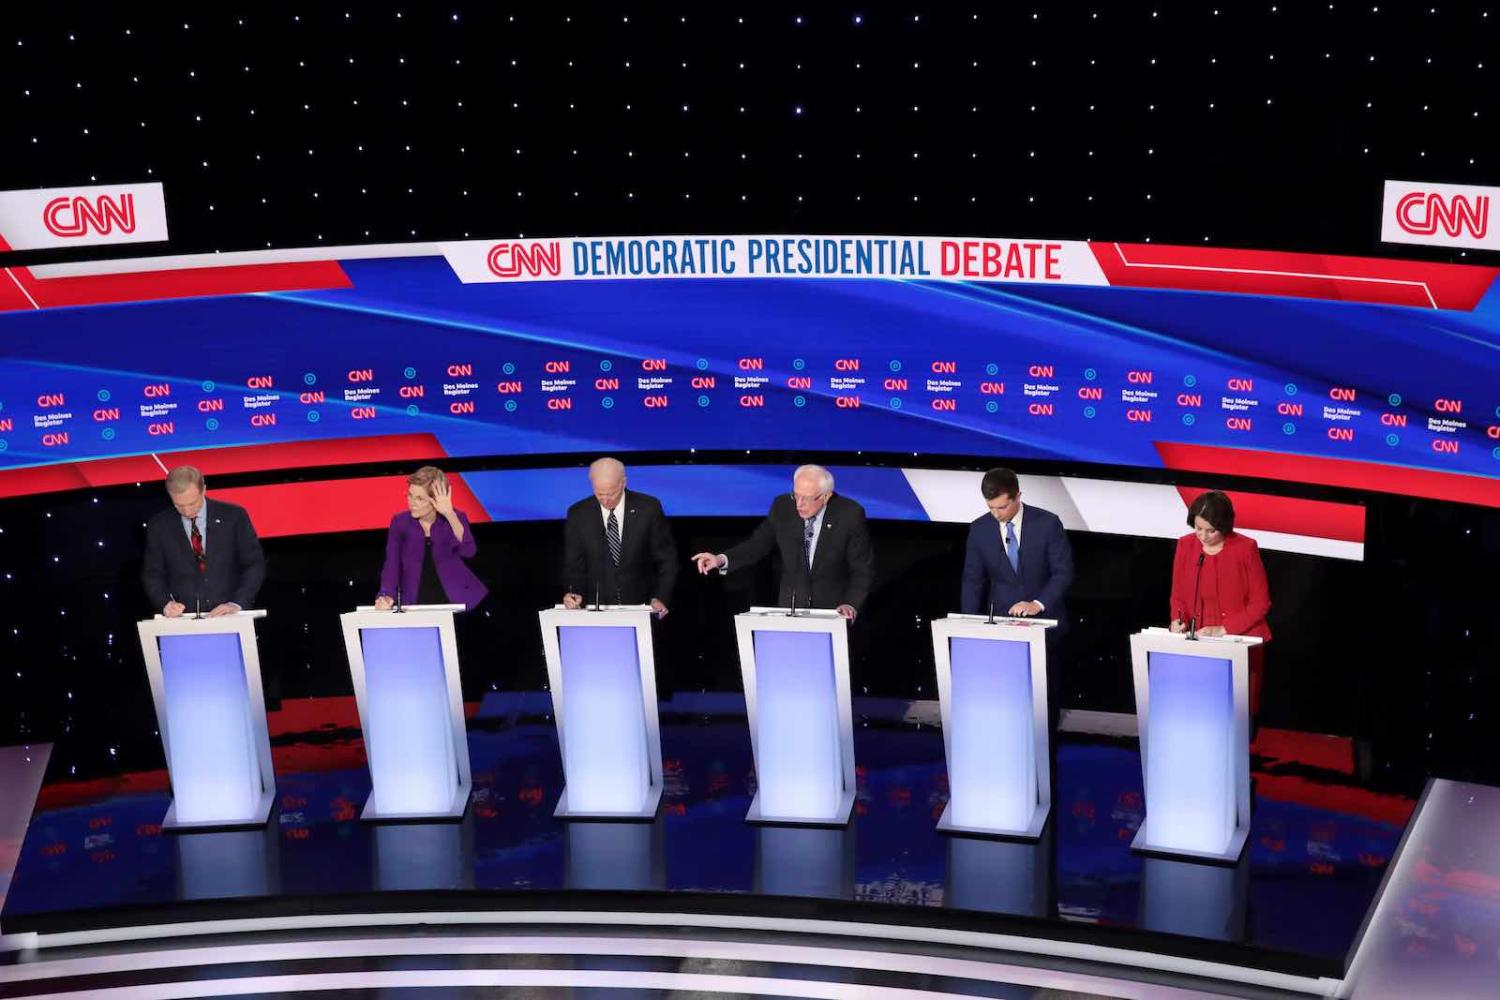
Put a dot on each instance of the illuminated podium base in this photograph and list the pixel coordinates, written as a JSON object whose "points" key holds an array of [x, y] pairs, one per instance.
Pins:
{"points": [[797, 699], [211, 713], [404, 666], [601, 669], [1193, 703], [992, 690]]}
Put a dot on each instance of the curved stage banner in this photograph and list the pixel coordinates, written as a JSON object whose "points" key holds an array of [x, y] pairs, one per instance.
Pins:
{"points": [[1368, 374]]}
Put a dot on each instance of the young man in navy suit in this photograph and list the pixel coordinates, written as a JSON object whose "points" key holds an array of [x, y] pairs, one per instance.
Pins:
{"points": [[1018, 561]]}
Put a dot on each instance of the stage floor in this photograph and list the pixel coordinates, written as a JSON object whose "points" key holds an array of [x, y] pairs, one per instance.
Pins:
{"points": [[95, 856]]}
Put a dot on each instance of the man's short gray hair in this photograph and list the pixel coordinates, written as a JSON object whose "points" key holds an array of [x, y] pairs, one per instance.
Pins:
{"points": [[606, 468], [184, 477], [825, 478]]}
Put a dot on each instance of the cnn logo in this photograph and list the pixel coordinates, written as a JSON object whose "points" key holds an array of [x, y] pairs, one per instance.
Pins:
{"points": [[75, 216], [511, 260], [1422, 213]]}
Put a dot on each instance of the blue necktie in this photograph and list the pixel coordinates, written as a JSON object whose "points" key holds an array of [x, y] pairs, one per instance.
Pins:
{"points": [[1012, 547], [807, 539]]}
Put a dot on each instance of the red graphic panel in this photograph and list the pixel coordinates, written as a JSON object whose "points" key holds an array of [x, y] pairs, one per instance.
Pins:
{"points": [[1343, 522], [141, 286], [414, 448], [1343, 472], [1302, 275], [335, 504]]}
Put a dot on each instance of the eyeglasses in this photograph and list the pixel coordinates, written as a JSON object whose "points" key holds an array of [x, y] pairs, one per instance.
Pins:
{"points": [[798, 498]]}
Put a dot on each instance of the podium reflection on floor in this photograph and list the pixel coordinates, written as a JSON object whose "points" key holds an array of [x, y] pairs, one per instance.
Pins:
{"points": [[617, 856], [805, 861], [228, 864], [1002, 876], [431, 855], [1194, 898]]}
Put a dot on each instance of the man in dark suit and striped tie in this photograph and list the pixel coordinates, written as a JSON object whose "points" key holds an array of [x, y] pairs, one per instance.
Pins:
{"points": [[617, 545]]}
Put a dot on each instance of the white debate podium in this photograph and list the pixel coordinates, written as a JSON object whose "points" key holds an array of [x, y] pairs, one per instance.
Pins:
{"points": [[211, 713], [601, 668], [1192, 700], [992, 692], [797, 699], [404, 665]]}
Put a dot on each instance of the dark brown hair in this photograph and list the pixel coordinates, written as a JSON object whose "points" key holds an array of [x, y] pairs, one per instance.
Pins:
{"points": [[998, 481], [1215, 508]]}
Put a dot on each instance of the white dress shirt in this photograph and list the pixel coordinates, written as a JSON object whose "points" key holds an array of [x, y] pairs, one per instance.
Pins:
{"points": [[619, 516]]}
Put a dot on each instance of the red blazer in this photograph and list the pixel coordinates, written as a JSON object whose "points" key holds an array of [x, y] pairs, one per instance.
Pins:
{"points": [[1239, 579]]}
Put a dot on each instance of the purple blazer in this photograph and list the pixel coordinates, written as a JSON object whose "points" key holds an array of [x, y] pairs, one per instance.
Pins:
{"points": [[404, 545]]}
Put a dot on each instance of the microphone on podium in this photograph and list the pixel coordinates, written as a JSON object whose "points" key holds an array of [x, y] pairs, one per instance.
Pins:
{"points": [[598, 583], [1193, 617]]}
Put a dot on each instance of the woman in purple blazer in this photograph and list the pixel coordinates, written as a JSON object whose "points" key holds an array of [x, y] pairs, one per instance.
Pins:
{"points": [[425, 548]]}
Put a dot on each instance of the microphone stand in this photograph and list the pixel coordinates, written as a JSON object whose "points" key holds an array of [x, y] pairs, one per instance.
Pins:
{"points": [[991, 619], [399, 608], [1193, 618], [598, 584]]}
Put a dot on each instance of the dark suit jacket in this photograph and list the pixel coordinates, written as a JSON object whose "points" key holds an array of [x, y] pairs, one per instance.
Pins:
{"points": [[843, 568], [236, 566], [648, 555], [1046, 566]]}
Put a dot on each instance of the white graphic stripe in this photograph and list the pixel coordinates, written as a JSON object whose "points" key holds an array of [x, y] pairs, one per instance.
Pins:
{"points": [[1106, 506], [22, 288]]}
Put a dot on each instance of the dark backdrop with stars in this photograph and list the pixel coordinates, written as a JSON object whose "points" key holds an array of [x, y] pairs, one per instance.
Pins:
{"points": [[1265, 125]]}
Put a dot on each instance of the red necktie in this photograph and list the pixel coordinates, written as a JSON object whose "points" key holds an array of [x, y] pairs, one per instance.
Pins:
{"points": [[198, 554]]}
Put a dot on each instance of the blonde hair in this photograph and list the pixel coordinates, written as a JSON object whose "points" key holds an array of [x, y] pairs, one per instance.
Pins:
{"points": [[427, 477]]}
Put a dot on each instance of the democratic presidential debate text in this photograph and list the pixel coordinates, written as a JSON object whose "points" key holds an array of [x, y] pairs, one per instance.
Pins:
{"points": [[917, 258]]}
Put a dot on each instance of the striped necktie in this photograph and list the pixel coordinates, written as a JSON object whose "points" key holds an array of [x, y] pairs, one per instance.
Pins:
{"points": [[612, 535]]}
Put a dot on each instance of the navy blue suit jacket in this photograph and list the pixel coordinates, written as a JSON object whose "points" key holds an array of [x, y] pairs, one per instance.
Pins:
{"points": [[1046, 566]]}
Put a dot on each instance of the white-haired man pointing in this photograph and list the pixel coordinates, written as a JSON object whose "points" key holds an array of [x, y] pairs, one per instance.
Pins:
{"points": [[826, 558]]}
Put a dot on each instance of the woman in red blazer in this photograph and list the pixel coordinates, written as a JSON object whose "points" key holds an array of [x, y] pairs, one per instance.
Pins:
{"points": [[1219, 583]]}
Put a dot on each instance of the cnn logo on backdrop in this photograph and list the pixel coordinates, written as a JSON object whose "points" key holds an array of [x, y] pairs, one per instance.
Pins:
{"points": [[532, 259], [76, 216], [59, 217], [1439, 214]]}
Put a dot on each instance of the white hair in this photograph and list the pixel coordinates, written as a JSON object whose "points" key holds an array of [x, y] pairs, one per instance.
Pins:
{"points": [[606, 469], [825, 478]]}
